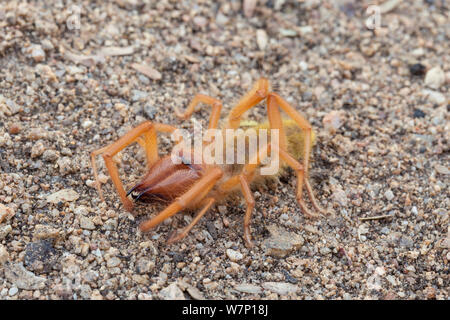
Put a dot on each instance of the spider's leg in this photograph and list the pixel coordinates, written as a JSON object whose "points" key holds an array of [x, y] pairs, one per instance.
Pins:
{"points": [[151, 142], [94, 154], [146, 129], [248, 213], [178, 236], [300, 170], [199, 190], [273, 101], [253, 97], [243, 179], [201, 98]]}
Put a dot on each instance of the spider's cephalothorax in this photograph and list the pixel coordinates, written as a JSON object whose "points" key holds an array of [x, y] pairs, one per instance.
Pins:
{"points": [[199, 185]]}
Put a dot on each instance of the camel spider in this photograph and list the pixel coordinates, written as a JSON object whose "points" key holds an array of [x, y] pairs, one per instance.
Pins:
{"points": [[193, 186]]}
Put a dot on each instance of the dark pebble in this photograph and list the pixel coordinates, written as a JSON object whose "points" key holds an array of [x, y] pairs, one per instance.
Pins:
{"points": [[177, 256], [212, 229], [417, 69], [289, 278], [418, 113], [40, 256]]}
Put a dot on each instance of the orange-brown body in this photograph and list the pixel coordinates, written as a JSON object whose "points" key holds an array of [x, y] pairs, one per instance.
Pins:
{"points": [[184, 185]]}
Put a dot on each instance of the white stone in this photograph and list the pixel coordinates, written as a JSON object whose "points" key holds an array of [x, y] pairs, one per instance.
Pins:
{"points": [[248, 288], [305, 30], [64, 195], [303, 65], [282, 288], [13, 291], [172, 292], [261, 39], [434, 78], [22, 278], [333, 121], [87, 124], [389, 195], [281, 242], [113, 262], [340, 196], [234, 255], [86, 223], [37, 53]]}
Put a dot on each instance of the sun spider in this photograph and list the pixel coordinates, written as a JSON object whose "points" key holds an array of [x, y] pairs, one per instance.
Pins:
{"points": [[200, 185]]}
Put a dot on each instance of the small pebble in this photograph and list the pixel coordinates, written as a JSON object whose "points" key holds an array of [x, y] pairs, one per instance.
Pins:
{"points": [[200, 21], [5, 230], [113, 262], [434, 78], [248, 288], [86, 223], [144, 265], [333, 121], [195, 293], [389, 195], [418, 113], [417, 69], [261, 39], [234, 255], [87, 124], [37, 53], [37, 150], [64, 195], [222, 209], [434, 96], [13, 291], [441, 169], [4, 255], [172, 292], [282, 288], [249, 7], [50, 155]]}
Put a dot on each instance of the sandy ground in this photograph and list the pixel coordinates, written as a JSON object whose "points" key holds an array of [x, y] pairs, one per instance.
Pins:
{"points": [[68, 87]]}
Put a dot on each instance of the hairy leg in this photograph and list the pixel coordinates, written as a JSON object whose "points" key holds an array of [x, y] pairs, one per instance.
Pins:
{"points": [[199, 190], [243, 179], [253, 97], [248, 213], [274, 100], [178, 236], [201, 98]]}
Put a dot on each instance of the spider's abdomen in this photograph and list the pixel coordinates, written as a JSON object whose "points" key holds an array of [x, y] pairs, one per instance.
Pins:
{"points": [[295, 136]]}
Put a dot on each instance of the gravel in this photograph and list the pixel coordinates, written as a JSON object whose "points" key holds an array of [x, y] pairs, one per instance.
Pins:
{"points": [[234, 255], [377, 100]]}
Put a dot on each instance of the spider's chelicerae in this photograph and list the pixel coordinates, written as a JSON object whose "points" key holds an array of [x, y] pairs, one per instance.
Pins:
{"points": [[199, 185]]}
